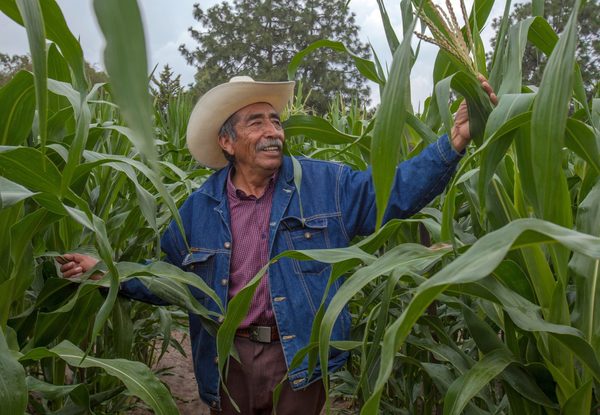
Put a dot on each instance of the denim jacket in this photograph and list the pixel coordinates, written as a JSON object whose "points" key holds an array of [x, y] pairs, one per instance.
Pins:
{"points": [[338, 203]]}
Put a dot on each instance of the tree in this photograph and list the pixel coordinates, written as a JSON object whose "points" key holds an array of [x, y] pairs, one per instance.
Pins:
{"points": [[167, 87], [557, 12], [258, 38], [11, 64]]}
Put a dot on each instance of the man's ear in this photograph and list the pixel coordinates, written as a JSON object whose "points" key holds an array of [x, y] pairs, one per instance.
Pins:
{"points": [[226, 144]]}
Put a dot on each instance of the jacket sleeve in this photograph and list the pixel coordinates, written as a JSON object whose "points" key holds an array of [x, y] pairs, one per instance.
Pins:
{"points": [[417, 182], [173, 245]]}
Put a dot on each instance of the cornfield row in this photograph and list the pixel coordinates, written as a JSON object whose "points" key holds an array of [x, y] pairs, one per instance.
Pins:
{"points": [[487, 301]]}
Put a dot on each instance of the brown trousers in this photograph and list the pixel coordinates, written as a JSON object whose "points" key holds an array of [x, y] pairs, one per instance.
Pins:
{"points": [[251, 384]]}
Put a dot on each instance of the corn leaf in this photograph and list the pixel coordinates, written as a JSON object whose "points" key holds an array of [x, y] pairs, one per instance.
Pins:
{"points": [[580, 138], [30, 168], [499, 122], [488, 342], [497, 62], [478, 102], [83, 119], [580, 401], [142, 168], [388, 132], [548, 123], [168, 271], [71, 321], [53, 392], [364, 66], [542, 35], [480, 12], [586, 272], [467, 385], [511, 63], [34, 25], [13, 390], [537, 8], [127, 65], [17, 108], [12, 193], [317, 129], [237, 309], [479, 261], [390, 34], [137, 377]]}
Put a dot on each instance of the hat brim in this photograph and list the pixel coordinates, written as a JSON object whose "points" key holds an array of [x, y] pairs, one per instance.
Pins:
{"points": [[221, 102]]}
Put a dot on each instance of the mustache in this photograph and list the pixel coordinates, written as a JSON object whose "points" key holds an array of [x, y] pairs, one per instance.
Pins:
{"points": [[269, 142]]}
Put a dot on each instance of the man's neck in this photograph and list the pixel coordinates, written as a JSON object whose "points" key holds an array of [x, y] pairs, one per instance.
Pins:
{"points": [[252, 182]]}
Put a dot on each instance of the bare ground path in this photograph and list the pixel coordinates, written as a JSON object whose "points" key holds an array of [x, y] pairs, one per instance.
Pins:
{"points": [[180, 379]]}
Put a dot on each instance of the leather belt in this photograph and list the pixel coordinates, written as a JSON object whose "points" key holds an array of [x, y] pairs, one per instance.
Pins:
{"points": [[261, 334]]}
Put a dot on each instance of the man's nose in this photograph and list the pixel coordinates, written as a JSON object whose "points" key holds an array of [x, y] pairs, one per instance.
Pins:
{"points": [[273, 130]]}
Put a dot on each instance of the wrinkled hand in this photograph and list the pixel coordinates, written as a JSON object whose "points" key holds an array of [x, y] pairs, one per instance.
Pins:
{"points": [[74, 265], [461, 134]]}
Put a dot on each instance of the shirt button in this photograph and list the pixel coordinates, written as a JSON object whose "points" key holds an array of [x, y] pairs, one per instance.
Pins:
{"points": [[224, 282], [213, 403], [307, 235], [227, 245]]}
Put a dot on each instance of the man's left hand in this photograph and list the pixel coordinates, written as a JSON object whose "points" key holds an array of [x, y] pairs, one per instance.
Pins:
{"points": [[461, 134]]}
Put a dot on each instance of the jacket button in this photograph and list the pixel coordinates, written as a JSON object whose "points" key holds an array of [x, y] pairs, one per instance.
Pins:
{"points": [[216, 360], [307, 235], [227, 245], [221, 319], [213, 403], [224, 282]]}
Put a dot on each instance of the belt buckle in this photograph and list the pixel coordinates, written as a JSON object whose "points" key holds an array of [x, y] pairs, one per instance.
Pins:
{"points": [[261, 334]]}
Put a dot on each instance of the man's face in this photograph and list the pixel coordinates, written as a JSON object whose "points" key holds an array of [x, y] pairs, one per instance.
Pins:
{"points": [[259, 142]]}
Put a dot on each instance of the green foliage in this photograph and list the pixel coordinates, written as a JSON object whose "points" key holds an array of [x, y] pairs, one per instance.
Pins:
{"points": [[588, 40], [259, 38], [493, 316], [484, 302], [73, 177], [166, 88]]}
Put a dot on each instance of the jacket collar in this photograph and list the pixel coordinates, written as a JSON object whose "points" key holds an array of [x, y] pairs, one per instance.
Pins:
{"points": [[216, 185]]}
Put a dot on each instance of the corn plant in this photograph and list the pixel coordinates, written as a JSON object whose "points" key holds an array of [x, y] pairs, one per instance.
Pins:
{"points": [[80, 170], [499, 315], [484, 302]]}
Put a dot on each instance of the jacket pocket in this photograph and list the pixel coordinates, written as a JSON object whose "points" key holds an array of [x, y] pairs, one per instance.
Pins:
{"points": [[202, 264], [311, 233]]}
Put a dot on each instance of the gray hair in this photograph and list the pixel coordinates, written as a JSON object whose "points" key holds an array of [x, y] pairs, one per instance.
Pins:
{"points": [[228, 129]]}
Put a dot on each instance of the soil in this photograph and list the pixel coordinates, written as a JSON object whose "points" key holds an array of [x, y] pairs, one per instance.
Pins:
{"points": [[179, 378]]}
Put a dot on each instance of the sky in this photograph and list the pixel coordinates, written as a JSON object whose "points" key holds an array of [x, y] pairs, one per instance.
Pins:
{"points": [[166, 24]]}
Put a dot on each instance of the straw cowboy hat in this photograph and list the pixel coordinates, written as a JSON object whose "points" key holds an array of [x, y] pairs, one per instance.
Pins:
{"points": [[218, 104]]}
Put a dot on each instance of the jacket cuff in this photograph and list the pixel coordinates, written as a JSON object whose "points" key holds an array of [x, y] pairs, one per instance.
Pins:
{"points": [[446, 151]]}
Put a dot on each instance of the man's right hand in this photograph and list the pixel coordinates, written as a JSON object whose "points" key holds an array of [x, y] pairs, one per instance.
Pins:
{"points": [[74, 265]]}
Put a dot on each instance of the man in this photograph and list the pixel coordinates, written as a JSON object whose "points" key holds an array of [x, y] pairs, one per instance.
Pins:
{"points": [[248, 212]]}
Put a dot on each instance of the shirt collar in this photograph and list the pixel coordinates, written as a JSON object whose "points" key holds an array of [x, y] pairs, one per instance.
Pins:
{"points": [[232, 191]]}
